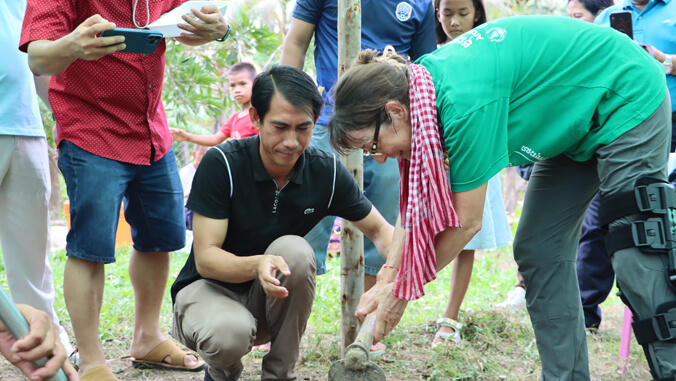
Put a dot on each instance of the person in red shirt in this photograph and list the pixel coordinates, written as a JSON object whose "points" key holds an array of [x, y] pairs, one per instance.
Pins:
{"points": [[114, 145], [240, 77]]}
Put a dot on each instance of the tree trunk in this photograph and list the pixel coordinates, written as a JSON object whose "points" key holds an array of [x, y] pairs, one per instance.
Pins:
{"points": [[351, 239], [513, 186], [511, 194]]}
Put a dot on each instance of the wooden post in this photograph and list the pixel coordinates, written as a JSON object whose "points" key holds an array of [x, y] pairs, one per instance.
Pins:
{"points": [[351, 239]]}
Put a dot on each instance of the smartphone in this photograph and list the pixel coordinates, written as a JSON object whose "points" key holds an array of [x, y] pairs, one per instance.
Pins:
{"points": [[137, 40], [621, 21]]}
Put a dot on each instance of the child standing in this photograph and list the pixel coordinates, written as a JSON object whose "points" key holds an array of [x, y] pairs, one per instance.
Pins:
{"points": [[240, 78], [455, 17]]}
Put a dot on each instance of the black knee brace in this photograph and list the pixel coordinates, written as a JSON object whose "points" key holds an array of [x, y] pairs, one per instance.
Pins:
{"points": [[652, 203]]}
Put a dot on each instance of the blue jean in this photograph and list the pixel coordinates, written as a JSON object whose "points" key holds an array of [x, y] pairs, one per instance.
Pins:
{"points": [[153, 203], [381, 187]]}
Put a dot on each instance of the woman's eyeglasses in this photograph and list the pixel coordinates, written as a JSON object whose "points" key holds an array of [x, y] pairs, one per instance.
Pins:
{"points": [[374, 147]]}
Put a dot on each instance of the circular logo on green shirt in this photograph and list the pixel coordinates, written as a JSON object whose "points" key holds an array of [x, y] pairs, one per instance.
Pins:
{"points": [[496, 34]]}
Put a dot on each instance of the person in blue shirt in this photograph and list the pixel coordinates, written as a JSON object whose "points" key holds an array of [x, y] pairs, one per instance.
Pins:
{"points": [[408, 26], [654, 26], [25, 185]]}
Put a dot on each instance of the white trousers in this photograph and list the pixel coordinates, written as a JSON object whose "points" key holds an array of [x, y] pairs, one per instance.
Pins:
{"points": [[25, 188]]}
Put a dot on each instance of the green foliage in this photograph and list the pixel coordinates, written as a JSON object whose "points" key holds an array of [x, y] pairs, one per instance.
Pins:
{"points": [[48, 123], [507, 8], [495, 345], [195, 76], [326, 310], [195, 93], [191, 82]]}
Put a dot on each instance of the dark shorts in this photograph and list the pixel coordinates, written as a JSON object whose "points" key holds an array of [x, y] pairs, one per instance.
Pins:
{"points": [[153, 203]]}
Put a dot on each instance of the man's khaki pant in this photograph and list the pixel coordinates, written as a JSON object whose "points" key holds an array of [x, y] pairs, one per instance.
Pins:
{"points": [[222, 324]]}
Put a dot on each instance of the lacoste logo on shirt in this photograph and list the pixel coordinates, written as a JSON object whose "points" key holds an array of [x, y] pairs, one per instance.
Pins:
{"points": [[309, 211]]}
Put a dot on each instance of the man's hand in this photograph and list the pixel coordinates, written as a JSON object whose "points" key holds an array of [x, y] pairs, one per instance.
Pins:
{"points": [[389, 309], [83, 42], [267, 269], [208, 25], [42, 341], [178, 134]]}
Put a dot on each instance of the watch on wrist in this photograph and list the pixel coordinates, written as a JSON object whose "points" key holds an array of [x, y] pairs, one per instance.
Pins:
{"points": [[226, 35], [668, 64]]}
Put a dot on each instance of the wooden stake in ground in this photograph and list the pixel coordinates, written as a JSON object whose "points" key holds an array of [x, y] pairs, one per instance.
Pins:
{"points": [[351, 239]]}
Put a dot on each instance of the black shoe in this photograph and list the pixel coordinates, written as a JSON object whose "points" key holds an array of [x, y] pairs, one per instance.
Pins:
{"points": [[592, 329]]}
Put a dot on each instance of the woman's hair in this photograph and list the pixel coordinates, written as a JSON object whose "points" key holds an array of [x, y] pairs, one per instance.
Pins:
{"points": [[594, 6], [362, 92], [479, 11]]}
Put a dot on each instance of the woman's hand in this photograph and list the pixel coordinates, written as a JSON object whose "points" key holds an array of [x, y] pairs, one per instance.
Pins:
{"points": [[389, 309]]}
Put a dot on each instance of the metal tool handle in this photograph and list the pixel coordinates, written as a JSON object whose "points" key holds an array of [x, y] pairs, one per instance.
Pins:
{"points": [[357, 354], [18, 328]]}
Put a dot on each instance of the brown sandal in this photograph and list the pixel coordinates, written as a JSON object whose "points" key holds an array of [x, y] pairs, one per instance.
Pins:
{"points": [[155, 359], [100, 373]]}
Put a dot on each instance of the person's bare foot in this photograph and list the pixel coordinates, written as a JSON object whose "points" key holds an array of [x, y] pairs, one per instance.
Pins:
{"points": [[448, 333], [263, 348], [443, 338], [378, 349]]}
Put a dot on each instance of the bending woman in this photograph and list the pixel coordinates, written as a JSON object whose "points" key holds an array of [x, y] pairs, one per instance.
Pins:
{"points": [[504, 95]]}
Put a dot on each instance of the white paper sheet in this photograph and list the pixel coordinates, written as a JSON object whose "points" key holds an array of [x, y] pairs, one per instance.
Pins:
{"points": [[167, 23]]}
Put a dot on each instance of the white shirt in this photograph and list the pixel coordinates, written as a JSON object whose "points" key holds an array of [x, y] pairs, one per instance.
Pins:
{"points": [[187, 173]]}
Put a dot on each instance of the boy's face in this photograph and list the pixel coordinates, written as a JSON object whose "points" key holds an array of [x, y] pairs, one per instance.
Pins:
{"points": [[240, 87]]}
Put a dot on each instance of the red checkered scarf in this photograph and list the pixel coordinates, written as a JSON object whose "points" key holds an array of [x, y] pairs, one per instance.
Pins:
{"points": [[425, 202]]}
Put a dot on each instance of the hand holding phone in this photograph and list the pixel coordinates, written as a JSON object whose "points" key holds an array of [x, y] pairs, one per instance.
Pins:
{"points": [[621, 21], [136, 40], [84, 43]]}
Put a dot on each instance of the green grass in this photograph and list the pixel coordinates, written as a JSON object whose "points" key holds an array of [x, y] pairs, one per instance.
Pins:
{"points": [[117, 314], [495, 345]]}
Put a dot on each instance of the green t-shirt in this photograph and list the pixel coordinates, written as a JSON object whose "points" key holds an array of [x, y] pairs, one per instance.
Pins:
{"points": [[523, 89]]}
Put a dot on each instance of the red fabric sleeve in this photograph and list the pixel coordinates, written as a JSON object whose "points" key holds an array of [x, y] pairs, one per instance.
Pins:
{"points": [[51, 20], [47, 20]]}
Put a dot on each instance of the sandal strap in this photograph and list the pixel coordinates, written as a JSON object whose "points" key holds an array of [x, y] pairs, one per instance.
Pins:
{"points": [[450, 323], [444, 335]]}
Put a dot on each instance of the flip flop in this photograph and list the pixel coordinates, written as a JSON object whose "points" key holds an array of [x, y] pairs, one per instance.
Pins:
{"points": [[454, 337], [155, 359], [100, 373]]}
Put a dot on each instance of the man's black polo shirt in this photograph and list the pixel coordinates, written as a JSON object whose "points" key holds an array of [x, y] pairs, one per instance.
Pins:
{"points": [[232, 183]]}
